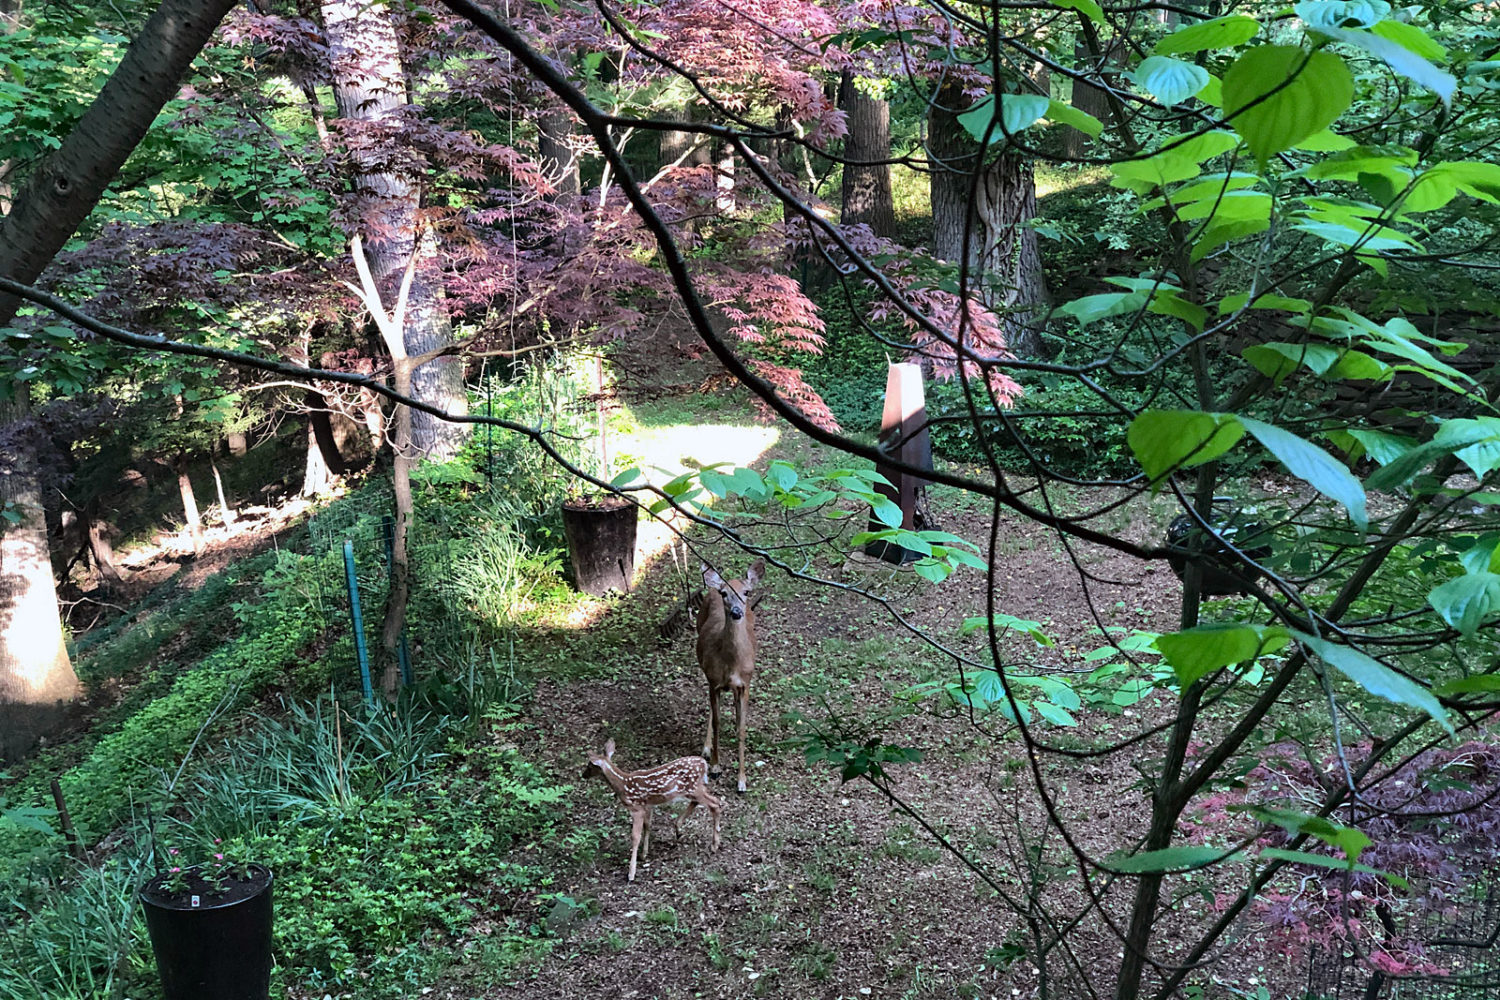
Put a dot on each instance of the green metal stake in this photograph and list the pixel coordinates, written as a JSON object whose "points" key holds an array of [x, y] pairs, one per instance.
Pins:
{"points": [[359, 622]]}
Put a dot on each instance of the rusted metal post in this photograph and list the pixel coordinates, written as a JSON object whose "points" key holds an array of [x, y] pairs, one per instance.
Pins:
{"points": [[903, 436]]}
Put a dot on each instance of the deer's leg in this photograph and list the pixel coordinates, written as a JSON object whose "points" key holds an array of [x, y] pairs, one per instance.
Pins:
{"points": [[741, 719], [637, 818], [678, 821], [646, 846], [711, 741]]}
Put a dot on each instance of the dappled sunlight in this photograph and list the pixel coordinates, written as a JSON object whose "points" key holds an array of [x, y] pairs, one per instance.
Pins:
{"points": [[1057, 179], [663, 453]]}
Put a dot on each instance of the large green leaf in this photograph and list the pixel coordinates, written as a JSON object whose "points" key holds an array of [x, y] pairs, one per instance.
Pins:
{"points": [[1341, 13], [1167, 859], [1277, 95], [1163, 440], [1313, 465], [1476, 178], [1278, 360], [1089, 8], [1476, 684], [1400, 59], [1465, 602], [1197, 652], [1324, 861], [1348, 839], [1066, 114], [1092, 308], [1219, 33], [1377, 678], [1476, 442], [1409, 36], [1170, 81], [1017, 113]]}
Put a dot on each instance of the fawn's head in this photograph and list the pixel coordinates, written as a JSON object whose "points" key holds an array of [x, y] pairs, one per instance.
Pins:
{"points": [[599, 762], [734, 593]]}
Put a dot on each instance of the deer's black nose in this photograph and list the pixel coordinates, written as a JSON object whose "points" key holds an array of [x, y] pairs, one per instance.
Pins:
{"points": [[736, 614]]}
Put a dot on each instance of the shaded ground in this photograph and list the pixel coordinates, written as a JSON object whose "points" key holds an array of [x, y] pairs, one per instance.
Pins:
{"points": [[821, 889]]}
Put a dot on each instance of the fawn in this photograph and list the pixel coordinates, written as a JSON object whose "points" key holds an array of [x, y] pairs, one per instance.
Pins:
{"points": [[726, 652], [682, 780]]}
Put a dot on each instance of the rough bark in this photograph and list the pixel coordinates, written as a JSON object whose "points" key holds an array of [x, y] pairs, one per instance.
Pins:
{"points": [[1003, 259], [1088, 98], [369, 86], [62, 191], [316, 475], [320, 419], [37, 681], [102, 551], [558, 160], [684, 146], [867, 197]]}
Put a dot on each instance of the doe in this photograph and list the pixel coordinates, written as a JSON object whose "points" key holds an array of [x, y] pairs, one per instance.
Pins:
{"points": [[682, 780], [726, 652]]}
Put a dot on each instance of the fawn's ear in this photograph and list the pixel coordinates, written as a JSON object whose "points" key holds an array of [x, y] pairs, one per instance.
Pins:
{"points": [[754, 573], [609, 750], [712, 579]]}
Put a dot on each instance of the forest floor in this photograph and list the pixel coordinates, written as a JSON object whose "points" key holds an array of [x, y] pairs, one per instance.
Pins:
{"points": [[822, 889]]}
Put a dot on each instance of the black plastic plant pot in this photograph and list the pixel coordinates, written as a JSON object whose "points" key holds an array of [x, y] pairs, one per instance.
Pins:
{"points": [[601, 544], [1220, 573], [212, 946]]}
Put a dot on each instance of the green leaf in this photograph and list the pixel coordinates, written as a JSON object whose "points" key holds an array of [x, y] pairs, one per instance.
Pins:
{"points": [[1005, 623], [1153, 171], [1314, 466], [1400, 59], [1278, 360], [1377, 678], [1324, 861], [1168, 859], [1092, 308], [1476, 442], [1170, 81], [1066, 114], [1326, 141], [886, 512], [626, 478], [1348, 839], [1477, 684], [782, 474], [1055, 714], [1277, 95], [1219, 33], [931, 569], [1473, 177], [1219, 233], [1017, 113], [1383, 446], [1466, 602], [1196, 652], [1409, 36], [1163, 440], [1089, 8], [1341, 13]]}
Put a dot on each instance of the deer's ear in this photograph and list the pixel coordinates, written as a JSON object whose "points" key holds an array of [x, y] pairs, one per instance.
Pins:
{"points": [[754, 573], [712, 579], [609, 750]]}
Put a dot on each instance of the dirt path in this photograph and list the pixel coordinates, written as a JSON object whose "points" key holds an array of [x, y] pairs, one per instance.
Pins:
{"points": [[821, 889]]}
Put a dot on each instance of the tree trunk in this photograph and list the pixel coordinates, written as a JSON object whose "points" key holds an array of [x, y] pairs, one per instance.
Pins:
{"points": [[102, 549], [320, 419], [724, 178], [190, 507], [556, 156], [1088, 98], [867, 195], [37, 681], [400, 589], [66, 186], [226, 512], [369, 86], [316, 476], [1003, 260], [684, 146]]}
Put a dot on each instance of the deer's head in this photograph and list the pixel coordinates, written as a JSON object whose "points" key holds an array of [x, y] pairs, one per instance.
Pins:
{"points": [[735, 594], [599, 763]]}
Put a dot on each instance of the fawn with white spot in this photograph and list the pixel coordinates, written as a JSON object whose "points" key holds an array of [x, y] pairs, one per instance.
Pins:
{"points": [[682, 780], [726, 652]]}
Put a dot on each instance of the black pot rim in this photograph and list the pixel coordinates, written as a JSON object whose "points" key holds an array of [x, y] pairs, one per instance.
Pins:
{"points": [[585, 506], [146, 900]]}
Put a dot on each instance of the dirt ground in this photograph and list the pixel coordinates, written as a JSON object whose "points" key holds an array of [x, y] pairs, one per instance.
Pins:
{"points": [[825, 889]]}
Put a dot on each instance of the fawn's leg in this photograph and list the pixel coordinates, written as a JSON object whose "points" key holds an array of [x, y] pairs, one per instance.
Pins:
{"points": [[646, 847], [741, 718], [713, 805], [637, 818], [678, 821]]}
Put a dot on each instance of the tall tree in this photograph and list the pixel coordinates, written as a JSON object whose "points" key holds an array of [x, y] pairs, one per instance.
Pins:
{"points": [[994, 210], [370, 89], [867, 197], [36, 675]]}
